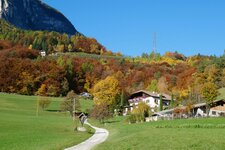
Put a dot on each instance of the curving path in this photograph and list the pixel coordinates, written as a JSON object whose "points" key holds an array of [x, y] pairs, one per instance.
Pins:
{"points": [[99, 137]]}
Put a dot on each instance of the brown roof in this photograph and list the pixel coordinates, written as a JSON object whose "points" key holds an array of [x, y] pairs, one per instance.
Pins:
{"points": [[221, 108], [154, 94], [222, 101], [216, 107]]}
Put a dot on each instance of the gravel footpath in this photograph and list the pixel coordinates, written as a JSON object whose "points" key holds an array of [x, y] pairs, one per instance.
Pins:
{"points": [[99, 137]]}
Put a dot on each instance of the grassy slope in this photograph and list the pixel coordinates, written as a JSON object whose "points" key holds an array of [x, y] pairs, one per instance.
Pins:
{"points": [[94, 56], [21, 129], [148, 136], [86, 104], [222, 93]]}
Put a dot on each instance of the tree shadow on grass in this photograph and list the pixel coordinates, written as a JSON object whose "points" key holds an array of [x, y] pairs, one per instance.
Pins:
{"points": [[53, 110], [111, 121]]}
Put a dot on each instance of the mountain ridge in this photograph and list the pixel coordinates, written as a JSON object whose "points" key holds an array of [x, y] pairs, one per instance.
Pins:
{"points": [[35, 15]]}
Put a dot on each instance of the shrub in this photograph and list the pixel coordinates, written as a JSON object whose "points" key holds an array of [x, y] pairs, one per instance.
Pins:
{"points": [[139, 113], [101, 112], [69, 102], [44, 102], [131, 118]]}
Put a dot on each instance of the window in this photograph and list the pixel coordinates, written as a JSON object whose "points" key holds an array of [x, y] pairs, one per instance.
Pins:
{"points": [[166, 103], [222, 114], [213, 113]]}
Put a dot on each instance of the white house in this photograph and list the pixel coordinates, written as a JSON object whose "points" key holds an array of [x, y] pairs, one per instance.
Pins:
{"points": [[43, 53], [152, 99], [217, 109]]}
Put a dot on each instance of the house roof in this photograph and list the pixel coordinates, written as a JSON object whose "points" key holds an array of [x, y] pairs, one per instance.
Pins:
{"points": [[163, 112], [204, 104], [153, 94], [222, 101]]}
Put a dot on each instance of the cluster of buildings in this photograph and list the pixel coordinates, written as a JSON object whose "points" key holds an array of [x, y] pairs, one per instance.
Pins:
{"points": [[152, 99]]}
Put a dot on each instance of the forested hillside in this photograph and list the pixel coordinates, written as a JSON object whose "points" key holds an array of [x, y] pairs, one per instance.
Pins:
{"points": [[24, 71], [51, 42]]}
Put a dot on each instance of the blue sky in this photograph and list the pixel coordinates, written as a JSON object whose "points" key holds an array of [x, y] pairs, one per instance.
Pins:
{"points": [[187, 26]]}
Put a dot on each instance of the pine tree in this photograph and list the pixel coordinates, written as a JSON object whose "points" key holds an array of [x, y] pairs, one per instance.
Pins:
{"points": [[161, 103]]}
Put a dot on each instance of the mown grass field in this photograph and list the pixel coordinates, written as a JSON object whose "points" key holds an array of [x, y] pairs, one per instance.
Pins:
{"points": [[222, 93], [21, 129], [190, 134]]}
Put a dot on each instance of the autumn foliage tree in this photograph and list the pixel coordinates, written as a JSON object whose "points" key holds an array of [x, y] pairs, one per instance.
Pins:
{"points": [[70, 103], [209, 92], [44, 102], [152, 86], [101, 112], [142, 109], [23, 71], [49, 41], [139, 113], [106, 91]]}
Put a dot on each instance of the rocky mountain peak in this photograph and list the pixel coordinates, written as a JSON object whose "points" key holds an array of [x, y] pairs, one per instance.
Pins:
{"points": [[35, 15]]}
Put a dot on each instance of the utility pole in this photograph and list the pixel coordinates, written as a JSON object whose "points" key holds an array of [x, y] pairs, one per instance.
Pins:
{"points": [[154, 43], [74, 108], [37, 110]]}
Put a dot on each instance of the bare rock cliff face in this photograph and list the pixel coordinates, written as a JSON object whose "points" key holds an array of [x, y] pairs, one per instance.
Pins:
{"points": [[35, 15]]}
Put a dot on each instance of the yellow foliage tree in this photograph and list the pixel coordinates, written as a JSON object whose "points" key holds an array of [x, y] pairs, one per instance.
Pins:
{"points": [[30, 46], [209, 92], [106, 91], [60, 48], [223, 78], [162, 85], [139, 113], [26, 83], [212, 73], [42, 90], [142, 109], [70, 47]]}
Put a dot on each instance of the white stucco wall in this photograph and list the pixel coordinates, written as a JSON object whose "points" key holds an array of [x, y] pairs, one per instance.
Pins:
{"points": [[151, 102]]}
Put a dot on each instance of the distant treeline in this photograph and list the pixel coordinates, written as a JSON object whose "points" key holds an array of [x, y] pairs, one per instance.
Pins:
{"points": [[50, 42], [24, 71]]}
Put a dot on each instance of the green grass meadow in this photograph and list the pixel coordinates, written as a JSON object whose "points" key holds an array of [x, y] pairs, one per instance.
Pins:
{"points": [[222, 93], [189, 134], [21, 129]]}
